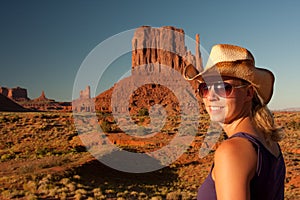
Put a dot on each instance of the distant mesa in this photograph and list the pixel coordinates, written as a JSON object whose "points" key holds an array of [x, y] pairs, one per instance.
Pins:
{"points": [[19, 97], [16, 94], [84, 103], [8, 105], [43, 98], [86, 93], [42, 103], [152, 49]]}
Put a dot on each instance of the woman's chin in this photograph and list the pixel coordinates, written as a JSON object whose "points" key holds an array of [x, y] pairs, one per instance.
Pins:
{"points": [[219, 119], [217, 116]]}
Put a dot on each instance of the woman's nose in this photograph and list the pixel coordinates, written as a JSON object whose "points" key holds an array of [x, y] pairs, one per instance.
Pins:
{"points": [[211, 95]]}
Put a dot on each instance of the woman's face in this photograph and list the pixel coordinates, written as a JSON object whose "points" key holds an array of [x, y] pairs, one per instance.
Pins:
{"points": [[227, 108]]}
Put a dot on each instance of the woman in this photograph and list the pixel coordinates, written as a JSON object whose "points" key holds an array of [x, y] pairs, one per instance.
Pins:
{"points": [[249, 164]]}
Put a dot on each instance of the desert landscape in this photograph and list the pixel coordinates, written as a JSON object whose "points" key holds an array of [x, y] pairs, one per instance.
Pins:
{"points": [[44, 154], [42, 157]]}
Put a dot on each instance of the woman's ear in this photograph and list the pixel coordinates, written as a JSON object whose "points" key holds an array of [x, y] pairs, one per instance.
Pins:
{"points": [[250, 93]]}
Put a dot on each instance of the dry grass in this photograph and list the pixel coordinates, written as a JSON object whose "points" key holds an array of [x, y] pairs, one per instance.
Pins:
{"points": [[41, 156]]}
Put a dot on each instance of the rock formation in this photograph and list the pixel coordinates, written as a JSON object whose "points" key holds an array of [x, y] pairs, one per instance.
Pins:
{"points": [[16, 94], [153, 48], [84, 103], [43, 98], [85, 94], [166, 46], [9, 105], [42, 103], [198, 64], [21, 102]]}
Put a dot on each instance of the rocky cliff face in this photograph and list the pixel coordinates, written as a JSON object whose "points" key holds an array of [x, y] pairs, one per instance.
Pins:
{"points": [[165, 46], [152, 50], [16, 94]]}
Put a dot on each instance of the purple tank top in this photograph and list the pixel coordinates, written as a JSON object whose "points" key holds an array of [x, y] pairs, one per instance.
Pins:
{"points": [[268, 181]]}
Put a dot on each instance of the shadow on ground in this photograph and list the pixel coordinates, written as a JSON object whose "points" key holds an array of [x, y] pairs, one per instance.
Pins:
{"points": [[98, 175]]}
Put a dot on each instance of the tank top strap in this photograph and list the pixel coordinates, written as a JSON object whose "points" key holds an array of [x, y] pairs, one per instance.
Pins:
{"points": [[257, 145]]}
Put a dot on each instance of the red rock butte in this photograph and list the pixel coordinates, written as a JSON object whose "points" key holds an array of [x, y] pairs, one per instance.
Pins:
{"points": [[16, 99], [16, 94], [42, 103], [166, 46], [152, 48]]}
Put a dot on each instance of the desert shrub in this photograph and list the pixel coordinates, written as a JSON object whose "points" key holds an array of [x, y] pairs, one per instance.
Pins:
{"points": [[97, 192], [80, 194], [10, 119], [4, 119], [105, 126], [8, 156], [9, 144], [293, 125], [12, 194], [156, 198], [30, 186], [134, 194], [120, 194], [65, 181], [42, 152], [31, 197], [79, 149], [76, 177], [46, 127], [15, 118], [142, 195], [49, 116], [187, 195], [143, 112], [71, 187], [142, 120], [174, 196]]}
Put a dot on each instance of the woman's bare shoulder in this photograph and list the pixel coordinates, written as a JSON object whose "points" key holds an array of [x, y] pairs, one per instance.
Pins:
{"points": [[236, 154]]}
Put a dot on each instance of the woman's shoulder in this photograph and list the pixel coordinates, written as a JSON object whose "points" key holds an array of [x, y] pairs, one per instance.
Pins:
{"points": [[237, 154], [236, 146]]}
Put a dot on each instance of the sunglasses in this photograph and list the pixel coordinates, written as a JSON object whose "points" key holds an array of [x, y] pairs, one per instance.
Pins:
{"points": [[221, 88]]}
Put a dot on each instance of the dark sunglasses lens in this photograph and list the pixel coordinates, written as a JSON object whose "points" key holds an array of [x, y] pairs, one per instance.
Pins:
{"points": [[223, 89], [203, 90], [228, 89]]}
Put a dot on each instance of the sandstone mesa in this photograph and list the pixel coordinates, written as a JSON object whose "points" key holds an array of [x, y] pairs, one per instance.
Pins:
{"points": [[152, 49]]}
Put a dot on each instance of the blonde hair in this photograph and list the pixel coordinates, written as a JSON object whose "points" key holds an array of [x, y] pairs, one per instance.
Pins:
{"points": [[264, 120]]}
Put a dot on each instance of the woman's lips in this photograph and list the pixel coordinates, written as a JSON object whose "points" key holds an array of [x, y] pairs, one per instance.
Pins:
{"points": [[215, 109]]}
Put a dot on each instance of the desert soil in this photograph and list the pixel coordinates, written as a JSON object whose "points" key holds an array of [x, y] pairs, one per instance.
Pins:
{"points": [[43, 157]]}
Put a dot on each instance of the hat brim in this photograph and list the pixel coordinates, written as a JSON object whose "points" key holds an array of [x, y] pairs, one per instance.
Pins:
{"points": [[261, 79]]}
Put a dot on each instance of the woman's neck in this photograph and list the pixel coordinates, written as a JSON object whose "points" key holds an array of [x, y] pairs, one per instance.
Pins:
{"points": [[243, 124], [246, 125]]}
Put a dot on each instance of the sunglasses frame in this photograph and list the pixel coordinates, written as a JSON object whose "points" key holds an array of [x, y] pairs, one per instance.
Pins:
{"points": [[222, 91]]}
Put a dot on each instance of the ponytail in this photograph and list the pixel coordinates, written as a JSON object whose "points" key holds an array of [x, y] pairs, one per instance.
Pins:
{"points": [[264, 120]]}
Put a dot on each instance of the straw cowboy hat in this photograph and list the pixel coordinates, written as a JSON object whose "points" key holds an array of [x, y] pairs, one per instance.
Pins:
{"points": [[238, 62]]}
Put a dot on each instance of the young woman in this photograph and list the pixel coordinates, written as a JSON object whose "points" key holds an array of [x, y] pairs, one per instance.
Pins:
{"points": [[249, 164]]}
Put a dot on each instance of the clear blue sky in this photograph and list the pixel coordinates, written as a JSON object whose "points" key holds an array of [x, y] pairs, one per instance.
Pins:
{"points": [[43, 43]]}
